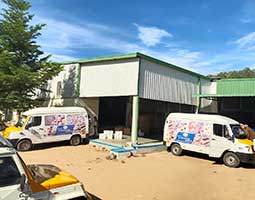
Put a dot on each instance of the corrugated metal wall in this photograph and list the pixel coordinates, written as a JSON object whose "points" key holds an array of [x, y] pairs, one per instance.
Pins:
{"points": [[163, 83], [236, 87], [109, 78]]}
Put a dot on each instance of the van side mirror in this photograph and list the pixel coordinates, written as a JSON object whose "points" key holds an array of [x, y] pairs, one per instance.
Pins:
{"points": [[231, 138], [23, 182], [29, 125]]}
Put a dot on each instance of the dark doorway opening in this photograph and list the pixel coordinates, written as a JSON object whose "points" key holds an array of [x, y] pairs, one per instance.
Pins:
{"points": [[241, 109], [152, 116], [112, 112]]}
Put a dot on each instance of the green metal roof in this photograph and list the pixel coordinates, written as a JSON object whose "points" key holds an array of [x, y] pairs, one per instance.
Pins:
{"points": [[136, 55], [236, 87]]}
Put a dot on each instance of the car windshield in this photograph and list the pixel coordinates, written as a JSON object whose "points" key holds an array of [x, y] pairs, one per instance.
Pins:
{"points": [[9, 173], [21, 121], [238, 132]]}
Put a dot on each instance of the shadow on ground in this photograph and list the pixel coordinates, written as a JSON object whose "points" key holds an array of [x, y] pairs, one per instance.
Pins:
{"points": [[54, 144], [216, 161]]}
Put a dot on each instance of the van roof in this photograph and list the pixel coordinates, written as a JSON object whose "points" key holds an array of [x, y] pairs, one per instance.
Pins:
{"points": [[54, 110], [204, 117]]}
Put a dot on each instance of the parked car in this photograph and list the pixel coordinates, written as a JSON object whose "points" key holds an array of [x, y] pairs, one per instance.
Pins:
{"points": [[214, 135], [44, 125], [19, 181]]}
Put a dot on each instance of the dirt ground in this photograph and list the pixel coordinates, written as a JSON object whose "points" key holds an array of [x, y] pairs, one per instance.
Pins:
{"points": [[156, 176]]}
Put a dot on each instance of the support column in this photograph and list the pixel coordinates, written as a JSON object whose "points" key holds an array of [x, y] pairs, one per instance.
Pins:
{"points": [[135, 116], [198, 95]]}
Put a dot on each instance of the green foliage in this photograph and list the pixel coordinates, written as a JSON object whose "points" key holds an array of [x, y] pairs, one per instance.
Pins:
{"points": [[244, 73], [24, 70]]}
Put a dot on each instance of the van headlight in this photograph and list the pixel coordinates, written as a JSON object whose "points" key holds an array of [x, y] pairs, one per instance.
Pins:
{"points": [[245, 148]]}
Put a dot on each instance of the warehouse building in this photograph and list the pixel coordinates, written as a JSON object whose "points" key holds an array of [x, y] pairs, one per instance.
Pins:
{"points": [[131, 92], [234, 98]]}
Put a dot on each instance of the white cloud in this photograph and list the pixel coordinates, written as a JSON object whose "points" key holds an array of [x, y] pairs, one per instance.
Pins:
{"points": [[245, 20], [246, 41], [248, 12], [151, 36], [67, 40], [62, 58]]}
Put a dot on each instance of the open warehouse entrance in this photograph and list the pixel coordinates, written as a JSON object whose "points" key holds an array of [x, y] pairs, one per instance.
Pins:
{"points": [[152, 115], [241, 109], [113, 113]]}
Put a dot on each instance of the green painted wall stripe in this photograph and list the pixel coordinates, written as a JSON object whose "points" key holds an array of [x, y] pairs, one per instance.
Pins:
{"points": [[78, 81]]}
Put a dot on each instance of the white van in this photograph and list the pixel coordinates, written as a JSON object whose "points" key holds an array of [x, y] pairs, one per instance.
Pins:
{"points": [[214, 135], [44, 125], [19, 181]]}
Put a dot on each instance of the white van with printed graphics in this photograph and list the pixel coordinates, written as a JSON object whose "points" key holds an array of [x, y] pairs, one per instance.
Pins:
{"points": [[49, 124], [214, 135]]}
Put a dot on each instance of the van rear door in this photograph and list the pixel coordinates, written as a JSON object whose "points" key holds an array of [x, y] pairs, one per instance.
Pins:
{"points": [[220, 140]]}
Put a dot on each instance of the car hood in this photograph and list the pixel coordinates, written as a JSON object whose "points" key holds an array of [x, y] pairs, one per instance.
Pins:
{"points": [[50, 176], [10, 129]]}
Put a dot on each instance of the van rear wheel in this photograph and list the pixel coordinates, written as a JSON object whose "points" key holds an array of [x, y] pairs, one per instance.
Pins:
{"points": [[75, 140], [230, 159], [176, 149], [24, 145]]}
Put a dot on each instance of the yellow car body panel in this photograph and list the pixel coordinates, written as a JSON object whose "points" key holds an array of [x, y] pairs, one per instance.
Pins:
{"points": [[247, 142], [60, 180], [10, 129]]}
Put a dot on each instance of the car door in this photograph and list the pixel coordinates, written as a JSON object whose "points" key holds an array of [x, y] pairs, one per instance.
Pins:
{"points": [[220, 140], [10, 179]]}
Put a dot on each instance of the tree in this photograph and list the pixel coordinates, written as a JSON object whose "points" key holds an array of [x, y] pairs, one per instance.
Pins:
{"points": [[24, 70], [244, 73]]}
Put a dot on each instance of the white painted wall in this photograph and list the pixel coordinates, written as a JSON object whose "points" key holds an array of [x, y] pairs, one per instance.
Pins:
{"points": [[159, 82], [206, 88], [109, 78], [67, 80]]}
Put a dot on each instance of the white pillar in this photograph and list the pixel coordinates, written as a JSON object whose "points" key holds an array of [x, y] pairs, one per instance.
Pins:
{"points": [[135, 116]]}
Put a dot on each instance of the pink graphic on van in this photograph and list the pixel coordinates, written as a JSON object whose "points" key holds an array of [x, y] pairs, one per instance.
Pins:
{"points": [[77, 120], [200, 129]]}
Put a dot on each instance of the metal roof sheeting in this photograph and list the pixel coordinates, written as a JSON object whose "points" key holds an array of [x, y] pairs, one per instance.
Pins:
{"points": [[236, 87]]}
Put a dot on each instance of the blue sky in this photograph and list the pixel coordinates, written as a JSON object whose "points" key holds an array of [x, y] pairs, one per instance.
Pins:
{"points": [[200, 35]]}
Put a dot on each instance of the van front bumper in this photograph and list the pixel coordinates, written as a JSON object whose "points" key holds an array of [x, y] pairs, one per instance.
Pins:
{"points": [[246, 158]]}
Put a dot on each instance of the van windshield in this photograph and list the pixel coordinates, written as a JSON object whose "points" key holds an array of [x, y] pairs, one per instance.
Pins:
{"points": [[21, 121], [238, 132]]}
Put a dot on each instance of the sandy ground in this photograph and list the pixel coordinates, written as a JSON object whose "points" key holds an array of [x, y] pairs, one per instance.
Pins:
{"points": [[156, 176]]}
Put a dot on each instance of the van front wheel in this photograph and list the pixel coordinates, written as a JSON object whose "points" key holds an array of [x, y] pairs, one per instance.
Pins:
{"points": [[230, 159], [176, 149], [75, 140], [24, 145]]}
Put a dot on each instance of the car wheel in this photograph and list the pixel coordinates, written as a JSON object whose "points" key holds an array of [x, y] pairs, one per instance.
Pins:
{"points": [[176, 149], [75, 140], [230, 159], [24, 145]]}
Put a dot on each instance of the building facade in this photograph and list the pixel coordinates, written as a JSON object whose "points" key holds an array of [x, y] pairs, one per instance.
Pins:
{"points": [[131, 92]]}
